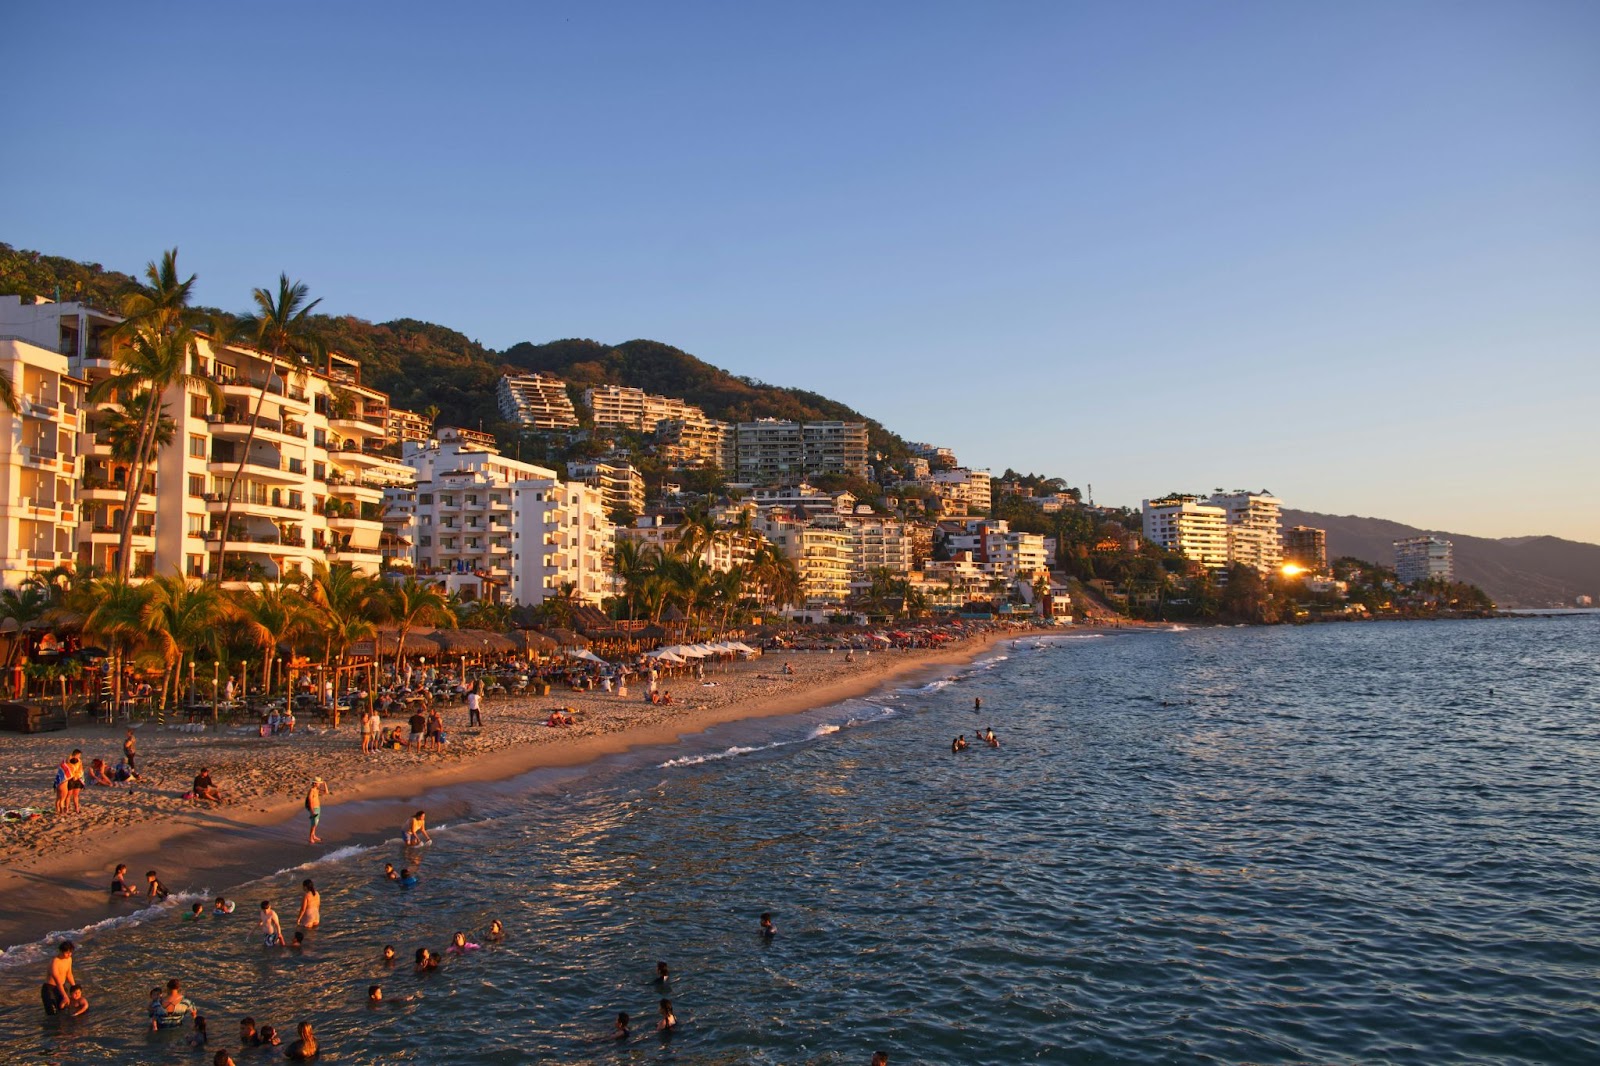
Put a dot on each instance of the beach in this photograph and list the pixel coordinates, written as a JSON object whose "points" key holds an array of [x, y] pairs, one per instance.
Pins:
{"points": [[54, 870]]}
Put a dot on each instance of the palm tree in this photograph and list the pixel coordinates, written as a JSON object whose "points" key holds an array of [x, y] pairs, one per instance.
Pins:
{"points": [[270, 616], [347, 606], [413, 603], [282, 329], [8, 393], [151, 349], [114, 615], [181, 618], [632, 561]]}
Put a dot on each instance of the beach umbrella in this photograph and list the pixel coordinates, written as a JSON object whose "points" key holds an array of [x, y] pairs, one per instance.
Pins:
{"points": [[585, 654]]}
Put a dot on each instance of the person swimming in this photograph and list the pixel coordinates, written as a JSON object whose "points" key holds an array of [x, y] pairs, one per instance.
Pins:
{"points": [[663, 973], [374, 993], [119, 881], [406, 879], [389, 873], [426, 960], [460, 945], [388, 954], [222, 906], [496, 930], [620, 1030], [767, 928], [669, 1021], [196, 912]]}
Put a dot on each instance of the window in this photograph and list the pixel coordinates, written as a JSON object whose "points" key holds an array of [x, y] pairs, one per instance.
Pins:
{"points": [[195, 565], [319, 437], [197, 445], [197, 485], [425, 497], [319, 471], [427, 541], [197, 525], [200, 406]]}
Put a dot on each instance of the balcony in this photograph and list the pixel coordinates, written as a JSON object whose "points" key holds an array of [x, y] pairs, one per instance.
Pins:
{"points": [[39, 407], [267, 506], [43, 458], [291, 472], [364, 425]]}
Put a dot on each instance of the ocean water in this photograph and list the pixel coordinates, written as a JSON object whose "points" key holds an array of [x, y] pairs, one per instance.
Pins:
{"points": [[1333, 844]]}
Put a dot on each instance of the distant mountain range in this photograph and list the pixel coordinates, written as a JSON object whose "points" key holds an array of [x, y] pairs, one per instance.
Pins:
{"points": [[1515, 571]]}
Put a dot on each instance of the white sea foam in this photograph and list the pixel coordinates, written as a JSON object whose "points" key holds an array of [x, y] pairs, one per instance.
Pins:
{"points": [[823, 730], [39, 950], [718, 756]]}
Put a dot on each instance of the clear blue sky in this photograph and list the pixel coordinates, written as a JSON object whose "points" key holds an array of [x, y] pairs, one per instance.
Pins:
{"points": [[1348, 252]]}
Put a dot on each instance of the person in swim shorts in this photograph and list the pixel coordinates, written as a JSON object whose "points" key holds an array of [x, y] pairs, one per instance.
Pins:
{"points": [[319, 788], [271, 927]]}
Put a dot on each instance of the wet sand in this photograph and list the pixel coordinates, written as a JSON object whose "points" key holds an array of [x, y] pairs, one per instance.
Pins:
{"points": [[54, 871]]}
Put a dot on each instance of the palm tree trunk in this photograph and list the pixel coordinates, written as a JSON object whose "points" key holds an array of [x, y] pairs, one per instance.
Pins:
{"points": [[130, 508], [238, 470]]}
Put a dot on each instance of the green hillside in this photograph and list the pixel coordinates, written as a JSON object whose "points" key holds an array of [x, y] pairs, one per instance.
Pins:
{"points": [[423, 365]]}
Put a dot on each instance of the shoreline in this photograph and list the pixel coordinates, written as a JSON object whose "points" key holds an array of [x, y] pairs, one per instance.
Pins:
{"points": [[58, 884]]}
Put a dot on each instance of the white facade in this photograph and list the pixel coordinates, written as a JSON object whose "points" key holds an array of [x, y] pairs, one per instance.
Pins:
{"points": [[311, 488], [40, 468], [560, 537], [1198, 531], [1419, 558], [970, 486], [536, 401], [773, 452], [620, 483], [1255, 528], [821, 556]]}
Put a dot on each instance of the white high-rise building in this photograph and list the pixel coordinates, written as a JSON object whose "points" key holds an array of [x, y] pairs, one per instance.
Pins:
{"points": [[1255, 536], [1198, 531], [495, 528], [1419, 558]]}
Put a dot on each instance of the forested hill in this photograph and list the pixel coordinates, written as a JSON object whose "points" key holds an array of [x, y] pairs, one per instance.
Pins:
{"points": [[1516, 571], [423, 365]]}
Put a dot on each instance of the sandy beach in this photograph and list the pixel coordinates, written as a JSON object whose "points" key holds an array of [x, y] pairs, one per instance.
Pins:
{"points": [[54, 869]]}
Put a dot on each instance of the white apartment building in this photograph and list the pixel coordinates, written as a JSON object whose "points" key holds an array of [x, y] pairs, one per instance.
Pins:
{"points": [[408, 426], [495, 528], [635, 409], [1420, 558], [1198, 531], [620, 483], [971, 486], [821, 556], [932, 453], [803, 499], [771, 452], [877, 542], [311, 485], [1255, 528], [536, 401], [561, 536], [999, 550], [40, 467], [695, 441], [954, 582]]}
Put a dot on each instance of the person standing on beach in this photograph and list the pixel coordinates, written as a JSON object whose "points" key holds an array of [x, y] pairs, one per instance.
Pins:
{"points": [[58, 979], [475, 705], [128, 753], [366, 732], [319, 788], [310, 915]]}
